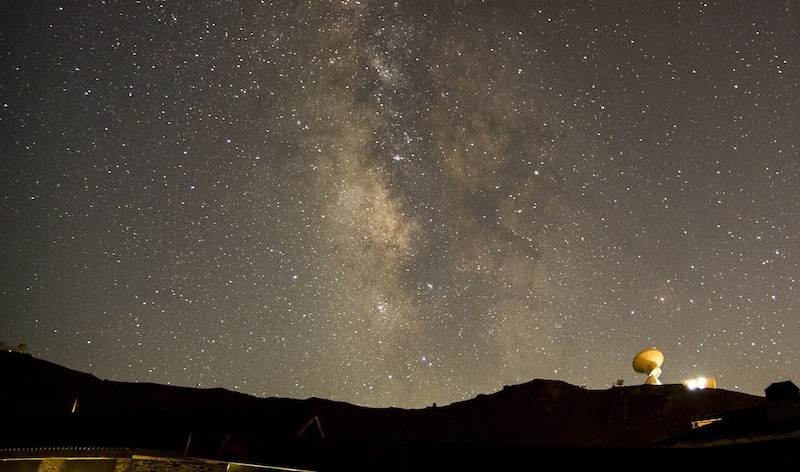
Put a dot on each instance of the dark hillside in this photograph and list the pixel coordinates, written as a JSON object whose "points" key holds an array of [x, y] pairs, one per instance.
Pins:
{"points": [[542, 417]]}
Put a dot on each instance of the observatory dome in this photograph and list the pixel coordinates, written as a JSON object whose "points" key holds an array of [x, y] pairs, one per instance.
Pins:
{"points": [[649, 362]]}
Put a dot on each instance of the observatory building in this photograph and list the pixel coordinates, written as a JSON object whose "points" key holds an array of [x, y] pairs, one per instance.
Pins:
{"points": [[649, 362]]}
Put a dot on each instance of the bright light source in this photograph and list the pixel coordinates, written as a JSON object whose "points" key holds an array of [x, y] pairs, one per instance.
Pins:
{"points": [[700, 383]]}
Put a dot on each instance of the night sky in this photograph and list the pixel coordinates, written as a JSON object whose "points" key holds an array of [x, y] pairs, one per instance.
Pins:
{"points": [[402, 203]]}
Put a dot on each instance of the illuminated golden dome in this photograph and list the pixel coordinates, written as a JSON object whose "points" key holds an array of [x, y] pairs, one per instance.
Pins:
{"points": [[649, 362]]}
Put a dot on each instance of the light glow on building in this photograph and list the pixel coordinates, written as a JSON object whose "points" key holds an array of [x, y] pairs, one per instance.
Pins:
{"points": [[700, 383]]}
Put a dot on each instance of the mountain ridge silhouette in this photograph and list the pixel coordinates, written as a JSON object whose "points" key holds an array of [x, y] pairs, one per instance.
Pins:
{"points": [[53, 406]]}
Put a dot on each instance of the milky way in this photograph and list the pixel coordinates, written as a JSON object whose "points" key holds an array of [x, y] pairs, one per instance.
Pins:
{"points": [[402, 203]]}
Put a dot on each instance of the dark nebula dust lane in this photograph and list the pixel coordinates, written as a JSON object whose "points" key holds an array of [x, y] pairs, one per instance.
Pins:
{"points": [[401, 203]]}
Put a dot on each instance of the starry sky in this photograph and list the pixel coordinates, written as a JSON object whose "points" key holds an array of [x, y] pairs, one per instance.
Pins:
{"points": [[401, 203]]}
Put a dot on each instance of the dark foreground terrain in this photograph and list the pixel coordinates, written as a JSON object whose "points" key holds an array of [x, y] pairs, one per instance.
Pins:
{"points": [[529, 426]]}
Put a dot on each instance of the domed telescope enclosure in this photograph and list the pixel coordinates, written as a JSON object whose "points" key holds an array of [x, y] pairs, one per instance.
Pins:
{"points": [[649, 362]]}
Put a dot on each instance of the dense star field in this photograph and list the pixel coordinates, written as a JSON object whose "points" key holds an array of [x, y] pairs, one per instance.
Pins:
{"points": [[402, 203]]}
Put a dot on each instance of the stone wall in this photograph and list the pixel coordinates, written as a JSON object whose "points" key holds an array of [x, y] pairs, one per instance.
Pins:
{"points": [[134, 463], [159, 464]]}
